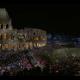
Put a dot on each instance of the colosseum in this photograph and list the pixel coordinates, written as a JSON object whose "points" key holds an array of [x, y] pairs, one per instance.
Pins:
{"points": [[14, 39]]}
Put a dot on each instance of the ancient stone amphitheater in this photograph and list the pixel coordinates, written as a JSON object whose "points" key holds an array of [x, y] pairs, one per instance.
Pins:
{"points": [[14, 39]]}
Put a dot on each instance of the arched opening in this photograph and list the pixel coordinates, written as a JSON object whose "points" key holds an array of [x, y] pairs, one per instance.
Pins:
{"points": [[7, 26], [1, 26], [34, 33]]}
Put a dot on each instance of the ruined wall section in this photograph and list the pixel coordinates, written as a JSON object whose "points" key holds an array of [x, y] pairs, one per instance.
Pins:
{"points": [[22, 39], [14, 39]]}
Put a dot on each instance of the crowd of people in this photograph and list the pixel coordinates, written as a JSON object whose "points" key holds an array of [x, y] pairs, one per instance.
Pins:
{"points": [[18, 64], [69, 67]]}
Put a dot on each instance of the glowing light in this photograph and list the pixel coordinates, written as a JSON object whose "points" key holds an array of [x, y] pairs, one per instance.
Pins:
{"points": [[18, 40]]}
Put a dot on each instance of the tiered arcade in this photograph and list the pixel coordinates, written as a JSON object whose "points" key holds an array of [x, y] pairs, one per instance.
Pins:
{"points": [[19, 39]]}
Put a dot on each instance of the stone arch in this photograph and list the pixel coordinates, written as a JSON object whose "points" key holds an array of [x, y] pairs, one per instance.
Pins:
{"points": [[7, 26], [1, 26]]}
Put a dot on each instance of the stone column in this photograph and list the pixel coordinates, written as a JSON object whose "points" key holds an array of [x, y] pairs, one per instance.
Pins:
{"points": [[4, 26]]}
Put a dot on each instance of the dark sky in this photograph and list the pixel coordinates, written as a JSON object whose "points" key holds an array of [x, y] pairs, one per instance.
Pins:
{"points": [[59, 18]]}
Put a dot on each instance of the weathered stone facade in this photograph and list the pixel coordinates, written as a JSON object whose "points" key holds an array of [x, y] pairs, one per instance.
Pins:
{"points": [[15, 39]]}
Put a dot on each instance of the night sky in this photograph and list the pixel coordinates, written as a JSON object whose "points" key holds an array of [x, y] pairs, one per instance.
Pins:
{"points": [[55, 18]]}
